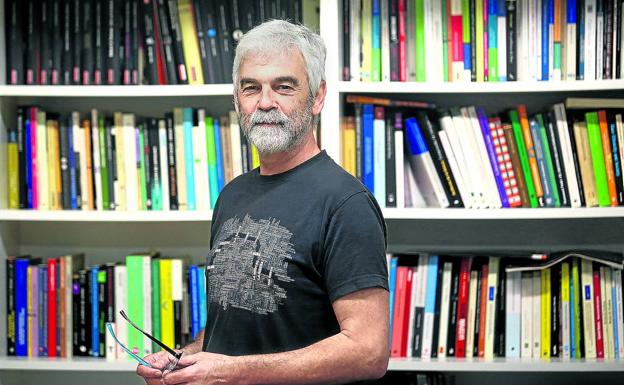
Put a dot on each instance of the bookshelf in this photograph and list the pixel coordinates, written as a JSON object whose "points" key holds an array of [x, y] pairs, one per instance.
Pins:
{"points": [[106, 236]]}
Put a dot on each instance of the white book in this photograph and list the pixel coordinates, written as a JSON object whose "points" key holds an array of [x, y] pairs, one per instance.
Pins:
{"points": [[121, 303], [452, 149], [237, 161], [120, 183], [164, 169], [523, 39], [413, 196], [589, 53], [551, 50], [43, 190], [567, 154], [538, 40], [617, 278], [587, 292], [490, 316], [385, 40], [526, 330], [565, 310], [571, 51], [607, 312], [598, 54], [458, 136], [415, 275], [176, 279], [110, 345], [178, 129], [78, 137], [399, 161], [95, 151], [513, 305], [379, 156], [444, 308], [435, 41], [472, 309], [537, 311], [502, 47], [130, 162], [354, 44], [200, 162], [147, 303]]}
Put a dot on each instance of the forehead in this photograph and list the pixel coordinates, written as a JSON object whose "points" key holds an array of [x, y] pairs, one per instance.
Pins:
{"points": [[265, 66]]}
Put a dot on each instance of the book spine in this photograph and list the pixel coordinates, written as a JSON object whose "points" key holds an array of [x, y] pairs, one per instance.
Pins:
{"points": [[554, 143], [608, 157], [617, 161], [597, 158], [462, 307]]}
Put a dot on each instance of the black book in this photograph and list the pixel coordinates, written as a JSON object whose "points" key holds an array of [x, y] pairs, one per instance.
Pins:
{"points": [[32, 46], [607, 52], [166, 42], [15, 43], [76, 315], [144, 127], [56, 21], [45, 37], [99, 43], [176, 34], [86, 348], [438, 305], [154, 141], [67, 35], [261, 12], [177, 324], [270, 9], [235, 23], [296, 11], [114, 46], [111, 162], [135, 46], [21, 157], [580, 39], [64, 163], [618, 40], [126, 37], [224, 34], [77, 42], [88, 41], [577, 166], [555, 303], [391, 188], [110, 293], [171, 162], [615, 149], [213, 41], [453, 300], [102, 307], [346, 38], [248, 15], [473, 39], [394, 40], [430, 130], [10, 305], [511, 39], [500, 317], [557, 158], [283, 9], [199, 12], [478, 266], [150, 70]]}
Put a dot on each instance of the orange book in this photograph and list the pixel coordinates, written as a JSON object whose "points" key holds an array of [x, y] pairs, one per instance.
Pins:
{"points": [[483, 310], [530, 148], [608, 156], [86, 124]]}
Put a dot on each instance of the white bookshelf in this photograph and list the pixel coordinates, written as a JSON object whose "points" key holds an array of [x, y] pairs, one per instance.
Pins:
{"points": [[76, 364], [104, 216], [504, 365], [117, 91]]}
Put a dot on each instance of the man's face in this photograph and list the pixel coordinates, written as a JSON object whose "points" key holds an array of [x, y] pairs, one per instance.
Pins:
{"points": [[273, 102]]}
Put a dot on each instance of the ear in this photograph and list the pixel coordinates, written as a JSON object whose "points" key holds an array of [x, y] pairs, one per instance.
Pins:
{"points": [[319, 98]]}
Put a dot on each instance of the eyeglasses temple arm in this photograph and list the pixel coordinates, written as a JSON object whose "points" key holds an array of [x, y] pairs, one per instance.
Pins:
{"points": [[165, 347]]}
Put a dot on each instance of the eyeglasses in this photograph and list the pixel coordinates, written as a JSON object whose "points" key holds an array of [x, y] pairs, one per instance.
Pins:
{"points": [[172, 362]]}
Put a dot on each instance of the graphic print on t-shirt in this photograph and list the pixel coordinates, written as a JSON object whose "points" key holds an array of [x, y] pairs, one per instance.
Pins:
{"points": [[250, 259]]}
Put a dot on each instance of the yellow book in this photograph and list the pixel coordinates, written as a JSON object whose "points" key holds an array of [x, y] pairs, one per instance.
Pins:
{"points": [[13, 162], [367, 41], [166, 303], [348, 145], [255, 157], [54, 170], [479, 43], [545, 311], [30, 308], [190, 46], [120, 185], [42, 162], [565, 309]]}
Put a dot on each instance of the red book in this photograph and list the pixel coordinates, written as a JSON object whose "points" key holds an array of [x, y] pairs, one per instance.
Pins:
{"points": [[483, 310], [402, 48], [408, 309], [598, 314], [462, 307], [158, 47], [52, 266], [33, 155], [399, 311]]}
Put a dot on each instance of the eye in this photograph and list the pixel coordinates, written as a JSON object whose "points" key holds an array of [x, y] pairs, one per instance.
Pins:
{"points": [[285, 87], [247, 89]]}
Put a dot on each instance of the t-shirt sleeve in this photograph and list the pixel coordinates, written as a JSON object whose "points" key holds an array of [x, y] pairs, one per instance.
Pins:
{"points": [[355, 247]]}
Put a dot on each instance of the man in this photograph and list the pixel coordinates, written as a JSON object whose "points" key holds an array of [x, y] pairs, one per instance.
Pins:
{"points": [[297, 277]]}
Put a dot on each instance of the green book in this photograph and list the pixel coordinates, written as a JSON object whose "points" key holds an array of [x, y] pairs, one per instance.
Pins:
{"points": [[156, 309], [366, 23], [550, 168], [597, 156], [376, 43], [211, 153], [103, 164], [141, 167], [575, 288], [524, 158], [480, 64], [466, 36], [421, 72], [156, 189], [135, 295]]}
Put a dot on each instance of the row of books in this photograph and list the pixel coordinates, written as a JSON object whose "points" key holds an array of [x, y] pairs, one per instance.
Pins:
{"points": [[123, 162], [463, 157], [450, 306], [482, 40], [133, 41], [58, 307]]}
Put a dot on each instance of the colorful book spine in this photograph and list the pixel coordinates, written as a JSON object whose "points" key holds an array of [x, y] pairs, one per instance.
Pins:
{"points": [[492, 39], [489, 145], [457, 41], [597, 157], [188, 157], [376, 42], [218, 154], [194, 289], [368, 171], [524, 158]]}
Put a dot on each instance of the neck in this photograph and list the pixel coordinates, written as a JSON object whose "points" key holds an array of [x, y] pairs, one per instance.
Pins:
{"points": [[271, 164]]}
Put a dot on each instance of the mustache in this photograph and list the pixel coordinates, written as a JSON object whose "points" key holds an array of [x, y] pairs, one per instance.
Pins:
{"points": [[267, 117]]}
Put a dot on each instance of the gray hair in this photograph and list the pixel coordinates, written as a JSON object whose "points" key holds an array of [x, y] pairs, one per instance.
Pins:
{"points": [[279, 36]]}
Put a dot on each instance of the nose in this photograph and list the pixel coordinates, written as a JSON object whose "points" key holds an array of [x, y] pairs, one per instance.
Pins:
{"points": [[266, 102]]}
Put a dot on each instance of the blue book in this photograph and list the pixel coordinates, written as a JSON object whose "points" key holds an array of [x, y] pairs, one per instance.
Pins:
{"points": [[21, 307], [43, 313], [394, 262], [72, 166], [219, 154], [368, 172], [545, 22], [617, 168], [29, 182], [187, 123], [430, 304], [194, 301], [541, 163], [615, 315], [492, 38], [201, 285], [580, 39], [95, 331], [489, 145], [376, 43]]}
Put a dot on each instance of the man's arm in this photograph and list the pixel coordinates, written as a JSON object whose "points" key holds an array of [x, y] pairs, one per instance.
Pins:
{"points": [[359, 351]]}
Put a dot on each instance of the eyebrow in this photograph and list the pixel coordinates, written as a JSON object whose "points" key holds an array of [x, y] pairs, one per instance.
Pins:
{"points": [[280, 79]]}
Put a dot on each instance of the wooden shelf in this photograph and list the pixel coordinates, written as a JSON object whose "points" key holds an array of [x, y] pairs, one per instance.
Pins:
{"points": [[505, 365], [117, 91], [104, 216]]}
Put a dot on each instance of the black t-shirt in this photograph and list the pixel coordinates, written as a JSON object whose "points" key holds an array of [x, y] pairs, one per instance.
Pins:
{"points": [[283, 248]]}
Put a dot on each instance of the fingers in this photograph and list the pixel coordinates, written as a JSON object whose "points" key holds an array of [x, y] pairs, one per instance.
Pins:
{"points": [[148, 373], [179, 376], [158, 360], [188, 360]]}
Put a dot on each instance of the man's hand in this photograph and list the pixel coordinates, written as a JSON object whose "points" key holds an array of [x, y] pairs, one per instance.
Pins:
{"points": [[153, 375], [204, 368]]}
